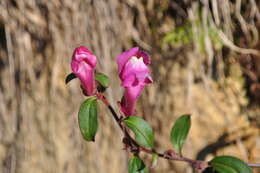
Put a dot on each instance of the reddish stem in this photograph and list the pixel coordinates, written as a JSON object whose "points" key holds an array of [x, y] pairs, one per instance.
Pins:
{"points": [[134, 147]]}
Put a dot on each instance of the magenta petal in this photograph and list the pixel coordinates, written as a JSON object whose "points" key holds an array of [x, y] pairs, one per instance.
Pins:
{"points": [[148, 80], [85, 73], [145, 56], [83, 54], [129, 81], [134, 66], [124, 57], [144, 78], [135, 71], [129, 99]]}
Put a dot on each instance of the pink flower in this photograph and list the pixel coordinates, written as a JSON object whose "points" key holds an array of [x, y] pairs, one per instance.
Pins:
{"points": [[134, 74], [83, 65]]}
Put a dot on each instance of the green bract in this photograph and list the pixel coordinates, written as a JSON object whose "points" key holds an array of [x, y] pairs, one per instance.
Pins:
{"points": [[70, 77], [102, 79]]}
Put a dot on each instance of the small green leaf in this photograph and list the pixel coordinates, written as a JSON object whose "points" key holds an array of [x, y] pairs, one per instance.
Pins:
{"points": [[88, 122], [143, 132], [180, 131], [102, 79], [70, 77], [229, 164], [136, 165]]}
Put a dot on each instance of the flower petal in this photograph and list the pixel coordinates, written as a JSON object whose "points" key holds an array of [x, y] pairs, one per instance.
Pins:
{"points": [[145, 56], [129, 99], [83, 54], [124, 57], [134, 66], [85, 73]]}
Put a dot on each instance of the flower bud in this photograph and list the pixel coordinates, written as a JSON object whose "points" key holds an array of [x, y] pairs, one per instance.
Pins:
{"points": [[83, 65]]}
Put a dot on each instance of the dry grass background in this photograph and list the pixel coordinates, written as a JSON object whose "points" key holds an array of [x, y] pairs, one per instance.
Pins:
{"points": [[219, 86]]}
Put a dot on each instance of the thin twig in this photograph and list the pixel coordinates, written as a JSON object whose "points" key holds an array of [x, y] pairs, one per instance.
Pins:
{"points": [[169, 154], [254, 165]]}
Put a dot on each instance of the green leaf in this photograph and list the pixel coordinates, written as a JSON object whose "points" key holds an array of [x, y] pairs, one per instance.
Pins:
{"points": [[143, 132], [88, 122], [229, 164], [136, 165], [70, 77], [180, 131], [102, 79]]}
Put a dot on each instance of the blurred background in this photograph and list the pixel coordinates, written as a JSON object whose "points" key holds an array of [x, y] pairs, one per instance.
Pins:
{"points": [[205, 61]]}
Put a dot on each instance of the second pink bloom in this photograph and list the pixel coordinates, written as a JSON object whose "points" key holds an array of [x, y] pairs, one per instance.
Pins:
{"points": [[134, 73]]}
